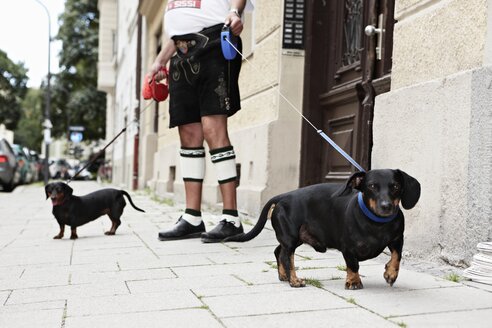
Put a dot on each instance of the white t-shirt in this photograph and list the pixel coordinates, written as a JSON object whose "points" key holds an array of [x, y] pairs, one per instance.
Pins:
{"points": [[192, 16]]}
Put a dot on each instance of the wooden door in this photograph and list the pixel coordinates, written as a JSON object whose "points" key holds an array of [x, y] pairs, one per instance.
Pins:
{"points": [[344, 72]]}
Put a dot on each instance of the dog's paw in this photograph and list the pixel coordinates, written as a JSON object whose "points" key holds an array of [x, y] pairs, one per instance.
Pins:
{"points": [[353, 281], [353, 285], [109, 233], [390, 277], [74, 237], [283, 278], [390, 274], [297, 282], [58, 237]]}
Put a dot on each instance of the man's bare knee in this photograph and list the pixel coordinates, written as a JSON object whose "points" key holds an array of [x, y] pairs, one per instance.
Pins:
{"points": [[191, 135], [215, 131]]}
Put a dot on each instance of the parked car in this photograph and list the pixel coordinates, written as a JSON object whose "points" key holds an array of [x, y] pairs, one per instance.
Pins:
{"points": [[38, 165], [24, 164], [33, 169], [9, 175]]}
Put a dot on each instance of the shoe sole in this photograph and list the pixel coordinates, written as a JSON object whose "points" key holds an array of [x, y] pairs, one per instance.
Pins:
{"points": [[188, 236], [212, 240]]}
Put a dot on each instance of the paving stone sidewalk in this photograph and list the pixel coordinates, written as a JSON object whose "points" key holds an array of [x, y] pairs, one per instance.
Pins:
{"points": [[133, 280]]}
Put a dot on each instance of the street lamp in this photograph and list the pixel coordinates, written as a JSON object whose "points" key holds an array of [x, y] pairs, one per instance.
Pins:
{"points": [[47, 123]]}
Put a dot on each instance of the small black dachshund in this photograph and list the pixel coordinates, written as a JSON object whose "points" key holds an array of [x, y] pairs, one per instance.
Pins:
{"points": [[360, 219], [76, 211]]}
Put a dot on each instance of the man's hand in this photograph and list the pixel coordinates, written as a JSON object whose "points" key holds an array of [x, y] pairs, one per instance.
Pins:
{"points": [[163, 57], [235, 23], [156, 72]]}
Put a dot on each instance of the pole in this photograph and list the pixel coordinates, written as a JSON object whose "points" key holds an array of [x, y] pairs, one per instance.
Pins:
{"points": [[47, 123], [136, 139]]}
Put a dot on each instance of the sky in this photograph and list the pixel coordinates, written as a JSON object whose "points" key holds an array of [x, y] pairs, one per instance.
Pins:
{"points": [[24, 35]]}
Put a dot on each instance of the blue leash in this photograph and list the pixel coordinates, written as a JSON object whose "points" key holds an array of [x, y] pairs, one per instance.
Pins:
{"points": [[340, 150], [229, 50]]}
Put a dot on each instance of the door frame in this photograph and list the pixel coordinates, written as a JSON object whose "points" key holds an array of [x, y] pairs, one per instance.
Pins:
{"points": [[376, 79]]}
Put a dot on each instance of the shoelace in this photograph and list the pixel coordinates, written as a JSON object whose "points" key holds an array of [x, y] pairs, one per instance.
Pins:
{"points": [[224, 222]]}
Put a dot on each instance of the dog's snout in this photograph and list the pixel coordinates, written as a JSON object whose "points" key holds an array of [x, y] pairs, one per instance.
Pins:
{"points": [[386, 206]]}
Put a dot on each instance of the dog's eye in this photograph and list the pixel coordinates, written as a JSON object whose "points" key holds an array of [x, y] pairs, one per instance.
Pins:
{"points": [[395, 187], [372, 186]]}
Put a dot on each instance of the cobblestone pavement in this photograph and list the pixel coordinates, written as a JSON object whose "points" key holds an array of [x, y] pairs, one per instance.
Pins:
{"points": [[133, 280]]}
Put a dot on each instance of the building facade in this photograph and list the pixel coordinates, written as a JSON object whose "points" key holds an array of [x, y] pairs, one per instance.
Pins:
{"points": [[397, 85], [118, 36], [436, 122]]}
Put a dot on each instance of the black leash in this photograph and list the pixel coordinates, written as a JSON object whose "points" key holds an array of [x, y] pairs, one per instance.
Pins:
{"points": [[102, 150], [96, 157]]}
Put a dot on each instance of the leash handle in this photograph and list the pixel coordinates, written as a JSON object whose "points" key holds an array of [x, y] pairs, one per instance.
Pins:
{"points": [[162, 69], [227, 39]]}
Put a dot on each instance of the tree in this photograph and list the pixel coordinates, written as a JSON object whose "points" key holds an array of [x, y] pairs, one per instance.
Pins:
{"points": [[29, 131], [13, 88], [75, 98]]}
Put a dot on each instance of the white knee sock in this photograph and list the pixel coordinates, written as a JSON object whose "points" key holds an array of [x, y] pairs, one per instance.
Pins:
{"points": [[224, 160], [192, 164]]}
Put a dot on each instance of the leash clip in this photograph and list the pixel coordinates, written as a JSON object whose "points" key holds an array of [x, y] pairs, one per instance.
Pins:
{"points": [[227, 40]]}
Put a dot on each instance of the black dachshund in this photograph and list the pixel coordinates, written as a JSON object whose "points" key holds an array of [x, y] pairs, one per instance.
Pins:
{"points": [[76, 211], [360, 218]]}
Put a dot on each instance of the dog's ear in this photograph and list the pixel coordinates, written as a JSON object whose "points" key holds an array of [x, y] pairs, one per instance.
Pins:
{"points": [[354, 182], [47, 189], [67, 190], [411, 190]]}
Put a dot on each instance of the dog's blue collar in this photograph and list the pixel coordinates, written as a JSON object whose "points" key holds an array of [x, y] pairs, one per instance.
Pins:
{"points": [[371, 216]]}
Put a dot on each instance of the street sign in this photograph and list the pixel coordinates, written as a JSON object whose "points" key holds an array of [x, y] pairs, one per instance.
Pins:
{"points": [[76, 128], [76, 137], [47, 136]]}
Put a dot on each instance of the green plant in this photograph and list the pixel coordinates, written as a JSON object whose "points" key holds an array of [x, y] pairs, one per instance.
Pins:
{"points": [[342, 267], [351, 300], [310, 268], [453, 277], [314, 282], [402, 324], [247, 222], [166, 201]]}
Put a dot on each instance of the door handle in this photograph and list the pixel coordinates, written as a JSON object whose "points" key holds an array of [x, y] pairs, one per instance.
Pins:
{"points": [[372, 30]]}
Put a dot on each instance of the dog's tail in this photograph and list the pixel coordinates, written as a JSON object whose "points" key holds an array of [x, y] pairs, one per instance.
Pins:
{"points": [[131, 202], [266, 214]]}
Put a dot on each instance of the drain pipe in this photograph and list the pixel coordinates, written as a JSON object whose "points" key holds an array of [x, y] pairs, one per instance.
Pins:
{"points": [[136, 140]]}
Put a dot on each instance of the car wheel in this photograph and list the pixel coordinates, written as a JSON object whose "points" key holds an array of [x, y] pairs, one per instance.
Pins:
{"points": [[8, 187]]}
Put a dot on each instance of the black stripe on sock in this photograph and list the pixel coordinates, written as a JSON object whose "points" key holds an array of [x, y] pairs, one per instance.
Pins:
{"points": [[192, 180], [193, 212], [220, 150], [227, 180], [224, 159], [192, 152], [230, 212]]}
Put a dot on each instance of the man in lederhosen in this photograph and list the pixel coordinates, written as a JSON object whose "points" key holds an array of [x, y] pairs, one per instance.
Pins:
{"points": [[204, 92]]}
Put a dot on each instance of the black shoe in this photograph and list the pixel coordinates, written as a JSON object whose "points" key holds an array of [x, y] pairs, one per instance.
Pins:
{"points": [[182, 230], [222, 231]]}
